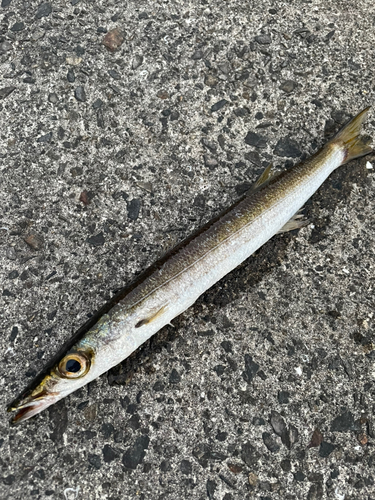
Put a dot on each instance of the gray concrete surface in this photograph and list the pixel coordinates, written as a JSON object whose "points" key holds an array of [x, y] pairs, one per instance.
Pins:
{"points": [[265, 387]]}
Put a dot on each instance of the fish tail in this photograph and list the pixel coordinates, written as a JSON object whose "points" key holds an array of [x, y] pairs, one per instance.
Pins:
{"points": [[349, 138]]}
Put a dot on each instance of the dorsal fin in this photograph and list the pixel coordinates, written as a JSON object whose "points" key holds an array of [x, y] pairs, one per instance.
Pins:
{"points": [[264, 177]]}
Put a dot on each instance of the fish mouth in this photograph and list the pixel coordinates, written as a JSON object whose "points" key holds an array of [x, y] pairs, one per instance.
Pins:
{"points": [[30, 407]]}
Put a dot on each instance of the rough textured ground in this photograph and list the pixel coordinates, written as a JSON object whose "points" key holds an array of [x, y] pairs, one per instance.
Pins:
{"points": [[265, 388]]}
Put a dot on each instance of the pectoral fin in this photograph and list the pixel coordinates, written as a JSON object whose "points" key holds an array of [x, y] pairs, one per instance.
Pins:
{"points": [[296, 222], [151, 318]]}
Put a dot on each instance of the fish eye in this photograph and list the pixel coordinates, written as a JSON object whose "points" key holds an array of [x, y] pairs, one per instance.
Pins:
{"points": [[74, 365]]}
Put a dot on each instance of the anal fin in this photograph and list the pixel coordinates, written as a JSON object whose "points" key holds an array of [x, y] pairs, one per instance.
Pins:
{"points": [[296, 222]]}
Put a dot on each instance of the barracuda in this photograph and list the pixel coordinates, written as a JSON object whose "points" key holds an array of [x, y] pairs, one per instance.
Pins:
{"points": [[175, 282]]}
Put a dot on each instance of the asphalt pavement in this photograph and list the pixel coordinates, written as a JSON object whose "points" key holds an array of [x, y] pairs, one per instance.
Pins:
{"points": [[125, 126]]}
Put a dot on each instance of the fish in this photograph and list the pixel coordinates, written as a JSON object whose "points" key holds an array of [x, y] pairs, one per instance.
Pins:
{"points": [[174, 283]]}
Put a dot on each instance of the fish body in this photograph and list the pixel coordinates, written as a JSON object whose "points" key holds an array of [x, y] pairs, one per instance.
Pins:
{"points": [[174, 284]]}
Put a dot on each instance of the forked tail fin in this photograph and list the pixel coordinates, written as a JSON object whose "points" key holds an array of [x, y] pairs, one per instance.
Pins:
{"points": [[348, 137]]}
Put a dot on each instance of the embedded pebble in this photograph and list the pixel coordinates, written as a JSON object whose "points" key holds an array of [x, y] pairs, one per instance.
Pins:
{"points": [[45, 137], [6, 91], [287, 147], [53, 98], [44, 10], [263, 39], [278, 423], [134, 207], [11, 253], [135, 454], [137, 61], [326, 449], [5, 46], [253, 139], [109, 454], [219, 105], [19, 26], [288, 86], [97, 240], [34, 241], [79, 94], [345, 422], [270, 442], [113, 39], [70, 76]]}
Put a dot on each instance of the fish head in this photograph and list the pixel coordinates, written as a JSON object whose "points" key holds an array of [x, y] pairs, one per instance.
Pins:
{"points": [[70, 372]]}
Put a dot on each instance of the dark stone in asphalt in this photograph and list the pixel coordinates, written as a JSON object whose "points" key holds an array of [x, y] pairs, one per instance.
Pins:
{"points": [[287, 147], [263, 39], [186, 467], [97, 240], [70, 76], [19, 26], [286, 465], [45, 138], [270, 442], [114, 74], [344, 422], [98, 103], [254, 157], [58, 414], [136, 453], [211, 488], [326, 449], [29, 79], [253, 139], [249, 454], [288, 86], [299, 476], [79, 94], [219, 105], [204, 453], [109, 454], [134, 207], [13, 334], [8, 480], [6, 91], [251, 368], [174, 377], [95, 461], [283, 397], [242, 188], [44, 10]]}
